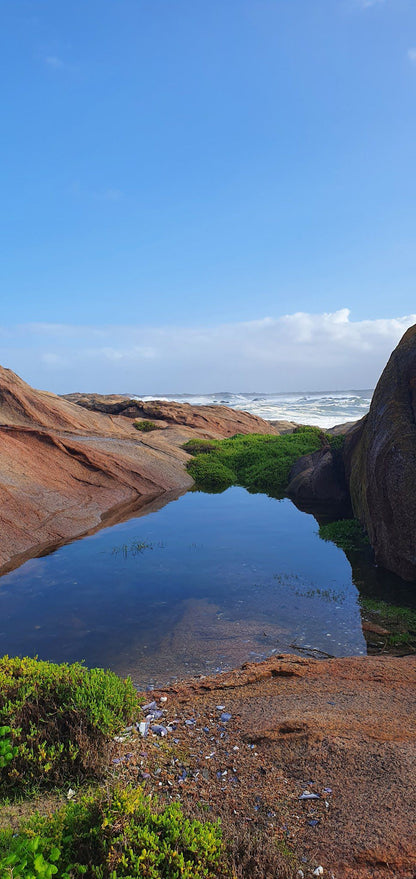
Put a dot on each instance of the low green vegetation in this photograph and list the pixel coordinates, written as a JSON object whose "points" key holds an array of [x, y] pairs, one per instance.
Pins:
{"points": [[399, 622], [348, 534], [256, 461], [56, 719], [146, 426], [336, 442], [112, 835]]}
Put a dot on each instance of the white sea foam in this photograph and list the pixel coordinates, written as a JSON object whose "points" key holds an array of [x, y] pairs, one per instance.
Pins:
{"points": [[321, 408]]}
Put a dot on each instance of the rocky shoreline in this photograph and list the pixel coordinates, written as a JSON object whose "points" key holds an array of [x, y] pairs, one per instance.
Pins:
{"points": [[309, 764], [317, 755], [66, 471]]}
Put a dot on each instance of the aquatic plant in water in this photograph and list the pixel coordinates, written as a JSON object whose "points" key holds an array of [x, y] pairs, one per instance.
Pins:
{"points": [[348, 534], [135, 548]]}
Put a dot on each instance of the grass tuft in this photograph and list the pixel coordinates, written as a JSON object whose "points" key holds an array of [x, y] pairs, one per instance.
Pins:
{"points": [[146, 426]]}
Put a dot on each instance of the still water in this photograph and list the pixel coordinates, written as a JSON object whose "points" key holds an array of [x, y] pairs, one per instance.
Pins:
{"points": [[203, 584]]}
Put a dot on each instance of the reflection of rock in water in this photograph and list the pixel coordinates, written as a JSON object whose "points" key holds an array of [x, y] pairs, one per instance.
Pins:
{"points": [[379, 586], [201, 642]]}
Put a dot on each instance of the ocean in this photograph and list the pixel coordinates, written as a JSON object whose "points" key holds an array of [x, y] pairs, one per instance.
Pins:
{"points": [[321, 408]]}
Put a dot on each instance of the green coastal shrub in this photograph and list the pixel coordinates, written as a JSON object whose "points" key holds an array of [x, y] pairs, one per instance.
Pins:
{"points": [[210, 474], [56, 719], [111, 836], [336, 442], [259, 462], [348, 534], [7, 750], [146, 426]]}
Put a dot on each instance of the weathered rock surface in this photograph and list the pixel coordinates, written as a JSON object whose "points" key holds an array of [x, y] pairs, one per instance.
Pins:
{"points": [[64, 470], [380, 456], [317, 481], [343, 728], [216, 419]]}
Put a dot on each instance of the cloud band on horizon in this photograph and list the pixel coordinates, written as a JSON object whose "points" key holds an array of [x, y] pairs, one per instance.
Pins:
{"points": [[300, 351]]}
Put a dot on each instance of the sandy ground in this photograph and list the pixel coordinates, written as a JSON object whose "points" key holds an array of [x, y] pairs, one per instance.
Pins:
{"points": [[343, 729]]}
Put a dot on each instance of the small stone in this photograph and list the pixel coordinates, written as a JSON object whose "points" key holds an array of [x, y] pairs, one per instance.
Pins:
{"points": [[308, 796], [71, 793], [163, 698], [300, 874], [318, 872], [220, 707], [159, 730], [225, 717], [144, 727], [313, 823], [149, 707]]}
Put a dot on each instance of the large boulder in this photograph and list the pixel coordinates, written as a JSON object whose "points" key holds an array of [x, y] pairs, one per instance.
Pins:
{"points": [[380, 460], [317, 483]]}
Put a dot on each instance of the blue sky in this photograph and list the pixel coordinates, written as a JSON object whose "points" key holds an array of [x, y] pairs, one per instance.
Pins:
{"points": [[178, 167]]}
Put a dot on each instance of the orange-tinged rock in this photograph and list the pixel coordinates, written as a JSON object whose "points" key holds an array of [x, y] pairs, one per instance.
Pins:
{"points": [[66, 469]]}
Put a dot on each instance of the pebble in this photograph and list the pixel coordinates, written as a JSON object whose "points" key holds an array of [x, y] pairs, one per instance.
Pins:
{"points": [[159, 730], [220, 707], [163, 698], [149, 707], [300, 874], [225, 717], [318, 872], [308, 796], [70, 794], [144, 727]]}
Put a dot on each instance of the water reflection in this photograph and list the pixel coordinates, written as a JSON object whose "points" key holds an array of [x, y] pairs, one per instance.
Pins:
{"points": [[204, 583]]}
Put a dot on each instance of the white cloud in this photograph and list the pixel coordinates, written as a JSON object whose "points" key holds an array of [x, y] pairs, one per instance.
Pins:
{"points": [[300, 351], [411, 54]]}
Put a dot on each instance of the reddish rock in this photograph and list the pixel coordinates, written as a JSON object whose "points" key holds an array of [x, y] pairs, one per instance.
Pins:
{"points": [[65, 469], [380, 455], [343, 728], [216, 420]]}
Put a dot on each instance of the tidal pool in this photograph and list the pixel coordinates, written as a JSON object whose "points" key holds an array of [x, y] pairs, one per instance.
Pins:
{"points": [[203, 584]]}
